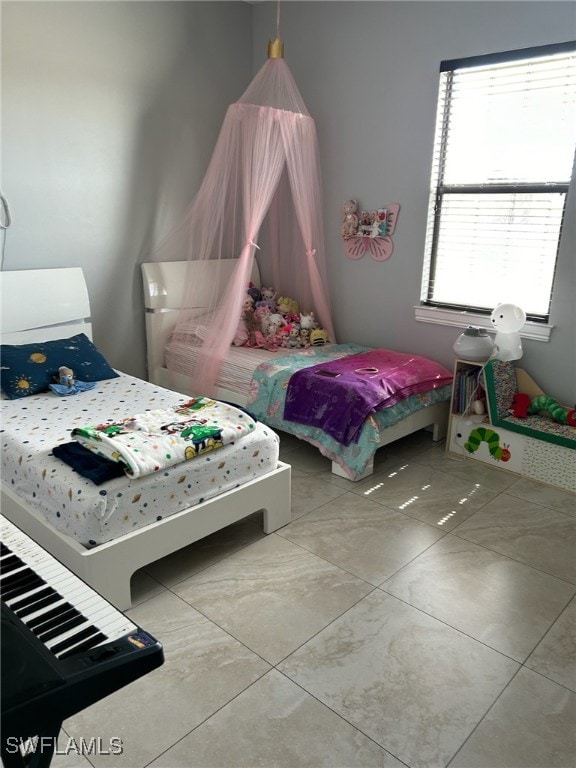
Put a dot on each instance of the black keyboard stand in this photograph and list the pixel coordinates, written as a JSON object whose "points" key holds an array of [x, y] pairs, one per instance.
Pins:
{"points": [[12, 756]]}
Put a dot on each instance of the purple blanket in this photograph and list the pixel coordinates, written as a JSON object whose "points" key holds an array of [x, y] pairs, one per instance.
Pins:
{"points": [[338, 396]]}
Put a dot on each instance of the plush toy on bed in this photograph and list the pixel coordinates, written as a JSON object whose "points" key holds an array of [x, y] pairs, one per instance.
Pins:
{"points": [[319, 337], [292, 338], [241, 335], [268, 299], [254, 293], [271, 324], [308, 321], [304, 338], [65, 376], [262, 313], [67, 385], [255, 336], [288, 308], [523, 405]]}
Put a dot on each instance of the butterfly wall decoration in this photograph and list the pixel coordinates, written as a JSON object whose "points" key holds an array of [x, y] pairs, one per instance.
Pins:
{"points": [[370, 232]]}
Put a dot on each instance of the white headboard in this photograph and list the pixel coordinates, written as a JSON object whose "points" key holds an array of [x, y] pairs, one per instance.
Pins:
{"points": [[164, 295], [43, 304]]}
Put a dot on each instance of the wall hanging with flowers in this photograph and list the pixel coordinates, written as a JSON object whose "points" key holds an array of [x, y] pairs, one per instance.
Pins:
{"points": [[369, 231]]}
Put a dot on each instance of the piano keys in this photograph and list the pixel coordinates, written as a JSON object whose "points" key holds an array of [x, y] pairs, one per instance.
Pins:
{"points": [[63, 645]]}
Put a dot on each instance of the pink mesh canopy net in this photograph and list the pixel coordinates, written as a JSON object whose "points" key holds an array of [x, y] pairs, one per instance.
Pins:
{"points": [[261, 199]]}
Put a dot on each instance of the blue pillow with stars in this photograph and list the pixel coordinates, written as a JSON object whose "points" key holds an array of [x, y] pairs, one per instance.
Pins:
{"points": [[27, 369]]}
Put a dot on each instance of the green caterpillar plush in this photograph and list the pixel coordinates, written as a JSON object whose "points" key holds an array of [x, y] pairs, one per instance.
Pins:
{"points": [[556, 411]]}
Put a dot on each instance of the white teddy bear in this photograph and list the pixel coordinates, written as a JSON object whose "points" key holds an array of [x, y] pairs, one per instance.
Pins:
{"points": [[271, 324]]}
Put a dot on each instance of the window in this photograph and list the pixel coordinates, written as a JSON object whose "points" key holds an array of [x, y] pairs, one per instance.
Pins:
{"points": [[503, 158]]}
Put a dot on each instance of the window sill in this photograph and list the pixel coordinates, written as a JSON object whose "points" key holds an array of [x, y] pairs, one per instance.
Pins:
{"points": [[450, 317]]}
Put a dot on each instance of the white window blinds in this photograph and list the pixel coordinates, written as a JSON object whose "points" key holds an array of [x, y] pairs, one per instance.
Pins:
{"points": [[502, 163]]}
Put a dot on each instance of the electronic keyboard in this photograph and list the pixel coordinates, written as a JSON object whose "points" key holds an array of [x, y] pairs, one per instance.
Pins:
{"points": [[63, 646]]}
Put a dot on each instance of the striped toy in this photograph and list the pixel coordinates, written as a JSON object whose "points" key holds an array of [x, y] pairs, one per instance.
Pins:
{"points": [[556, 411]]}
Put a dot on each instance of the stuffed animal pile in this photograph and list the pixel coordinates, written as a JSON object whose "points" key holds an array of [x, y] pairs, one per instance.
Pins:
{"points": [[269, 322]]}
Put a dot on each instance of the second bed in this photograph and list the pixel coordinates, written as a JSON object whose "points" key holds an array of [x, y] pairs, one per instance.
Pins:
{"points": [[258, 378]]}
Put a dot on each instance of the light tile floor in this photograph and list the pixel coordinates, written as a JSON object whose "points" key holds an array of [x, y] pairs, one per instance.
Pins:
{"points": [[424, 617]]}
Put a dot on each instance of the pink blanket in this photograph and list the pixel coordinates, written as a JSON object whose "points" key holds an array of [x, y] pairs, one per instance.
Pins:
{"points": [[339, 395]]}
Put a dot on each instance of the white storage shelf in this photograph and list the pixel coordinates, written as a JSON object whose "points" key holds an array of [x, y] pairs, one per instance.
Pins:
{"points": [[473, 436]]}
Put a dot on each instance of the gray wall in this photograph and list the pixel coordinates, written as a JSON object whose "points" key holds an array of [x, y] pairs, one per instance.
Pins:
{"points": [[368, 72], [110, 111]]}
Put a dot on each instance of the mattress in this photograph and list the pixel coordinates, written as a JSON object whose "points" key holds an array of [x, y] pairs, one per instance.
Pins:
{"points": [[237, 369], [93, 514]]}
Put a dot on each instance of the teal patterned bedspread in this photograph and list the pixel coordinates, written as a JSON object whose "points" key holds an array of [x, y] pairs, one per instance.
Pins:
{"points": [[268, 395]]}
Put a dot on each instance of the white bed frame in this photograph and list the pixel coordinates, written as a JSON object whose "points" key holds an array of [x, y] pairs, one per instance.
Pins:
{"points": [[39, 305], [164, 296]]}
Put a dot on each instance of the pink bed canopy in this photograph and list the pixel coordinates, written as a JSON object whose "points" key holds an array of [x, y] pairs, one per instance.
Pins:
{"points": [[261, 198]]}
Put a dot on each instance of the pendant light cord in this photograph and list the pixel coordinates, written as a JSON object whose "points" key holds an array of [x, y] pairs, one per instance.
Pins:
{"points": [[277, 18], [276, 47]]}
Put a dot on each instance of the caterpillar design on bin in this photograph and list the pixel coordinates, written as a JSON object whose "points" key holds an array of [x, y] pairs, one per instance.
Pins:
{"points": [[483, 435]]}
